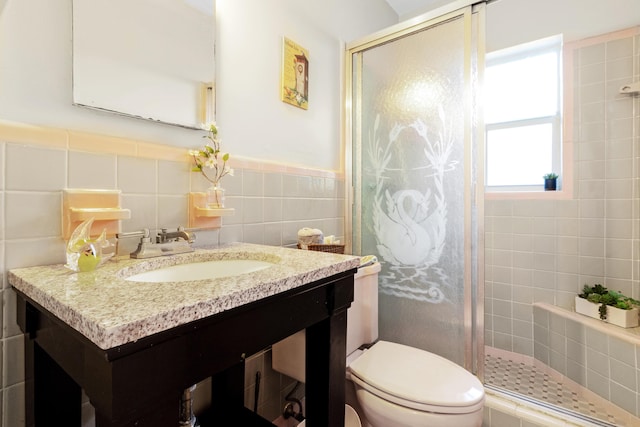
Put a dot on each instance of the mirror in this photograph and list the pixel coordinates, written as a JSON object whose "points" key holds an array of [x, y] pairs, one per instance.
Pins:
{"points": [[150, 59]]}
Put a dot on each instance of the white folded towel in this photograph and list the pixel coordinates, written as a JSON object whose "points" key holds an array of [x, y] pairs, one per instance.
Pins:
{"points": [[309, 236]]}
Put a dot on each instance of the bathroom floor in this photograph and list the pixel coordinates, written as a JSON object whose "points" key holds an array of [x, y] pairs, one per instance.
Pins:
{"points": [[528, 381], [281, 422]]}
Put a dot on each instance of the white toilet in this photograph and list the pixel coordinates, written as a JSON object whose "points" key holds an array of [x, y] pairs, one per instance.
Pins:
{"points": [[395, 385]]}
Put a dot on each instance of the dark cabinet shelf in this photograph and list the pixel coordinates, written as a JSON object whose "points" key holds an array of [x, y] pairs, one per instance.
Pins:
{"points": [[234, 417]]}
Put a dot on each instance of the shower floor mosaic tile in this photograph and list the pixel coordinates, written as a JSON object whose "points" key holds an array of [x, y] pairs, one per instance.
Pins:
{"points": [[526, 380]]}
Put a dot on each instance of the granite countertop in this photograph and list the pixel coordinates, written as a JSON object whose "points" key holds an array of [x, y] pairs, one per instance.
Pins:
{"points": [[111, 311]]}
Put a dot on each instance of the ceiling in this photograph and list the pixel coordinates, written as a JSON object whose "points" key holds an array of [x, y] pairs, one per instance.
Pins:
{"points": [[404, 7]]}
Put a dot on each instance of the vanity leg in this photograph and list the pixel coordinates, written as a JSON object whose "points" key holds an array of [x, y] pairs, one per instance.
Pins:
{"points": [[29, 389], [326, 350], [51, 396], [227, 392]]}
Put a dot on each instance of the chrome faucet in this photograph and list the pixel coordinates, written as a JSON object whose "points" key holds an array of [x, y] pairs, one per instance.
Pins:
{"points": [[166, 236], [167, 242]]}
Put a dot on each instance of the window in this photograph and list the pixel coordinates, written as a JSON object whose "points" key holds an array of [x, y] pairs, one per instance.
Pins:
{"points": [[523, 115]]}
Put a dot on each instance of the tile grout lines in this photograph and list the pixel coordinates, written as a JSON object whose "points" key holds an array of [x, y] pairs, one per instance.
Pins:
{"points": [[526, 380]]}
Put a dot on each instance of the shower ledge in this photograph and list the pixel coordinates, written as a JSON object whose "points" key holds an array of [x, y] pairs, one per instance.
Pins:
{"points": [[630, 335]]}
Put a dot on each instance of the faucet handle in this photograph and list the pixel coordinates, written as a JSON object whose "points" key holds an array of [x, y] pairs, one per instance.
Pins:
{"points": [[181, 233], [144, 234]]}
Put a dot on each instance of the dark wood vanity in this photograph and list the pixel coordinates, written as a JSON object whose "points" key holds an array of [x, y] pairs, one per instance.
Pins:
{"points": [[140, 383]]}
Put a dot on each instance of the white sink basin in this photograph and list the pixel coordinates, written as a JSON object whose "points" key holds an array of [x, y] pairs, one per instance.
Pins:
{"points": [[201, 271]]}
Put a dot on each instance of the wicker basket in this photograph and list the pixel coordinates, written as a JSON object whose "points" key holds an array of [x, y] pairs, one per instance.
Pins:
{"points": [[336, 249]]}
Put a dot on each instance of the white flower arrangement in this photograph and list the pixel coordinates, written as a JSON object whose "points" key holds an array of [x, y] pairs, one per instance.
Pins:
{"points": [[210, 161]]}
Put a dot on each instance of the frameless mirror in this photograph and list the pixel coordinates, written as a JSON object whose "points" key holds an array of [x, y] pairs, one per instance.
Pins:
{"points": [[150, 59]]}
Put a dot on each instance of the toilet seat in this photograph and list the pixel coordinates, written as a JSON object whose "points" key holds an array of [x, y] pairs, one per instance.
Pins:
{"points": [[417, 379]]}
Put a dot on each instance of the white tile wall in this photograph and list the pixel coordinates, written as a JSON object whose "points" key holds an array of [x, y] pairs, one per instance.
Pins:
{"points": [[13, 361], [33, 214], [13, 407], [253, 233], [91, 170], [137, 175], [547, 250], [2, 163], [273, 185], [604, 363], [9, 327], [28, 252], [253, 184], [172, 211], [143, 211], [35, 168], [253, 208], [173, 178]]}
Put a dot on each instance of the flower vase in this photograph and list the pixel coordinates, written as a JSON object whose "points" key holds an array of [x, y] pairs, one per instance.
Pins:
{"points": [[215, 197]]}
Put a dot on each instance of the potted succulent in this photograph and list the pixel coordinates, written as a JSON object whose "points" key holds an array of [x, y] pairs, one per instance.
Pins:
{"points": [[607, 305], [550, 181]]}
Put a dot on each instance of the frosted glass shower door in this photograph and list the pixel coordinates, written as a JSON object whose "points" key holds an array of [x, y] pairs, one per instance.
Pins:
{"points": [[415, 202]]}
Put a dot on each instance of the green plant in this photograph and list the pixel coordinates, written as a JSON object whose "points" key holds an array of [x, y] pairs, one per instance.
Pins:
{"points": [[598, 294], [551, 176]]}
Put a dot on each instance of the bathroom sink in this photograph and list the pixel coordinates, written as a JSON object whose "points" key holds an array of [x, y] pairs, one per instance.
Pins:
{"points": [[201, 271]]}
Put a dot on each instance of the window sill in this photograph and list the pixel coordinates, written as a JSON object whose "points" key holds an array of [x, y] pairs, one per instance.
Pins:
{"points": [[528, 195]]}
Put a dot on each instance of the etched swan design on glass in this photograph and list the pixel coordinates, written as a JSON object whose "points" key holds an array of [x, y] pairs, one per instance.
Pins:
{"points": [[408, 233], [409, 210]]}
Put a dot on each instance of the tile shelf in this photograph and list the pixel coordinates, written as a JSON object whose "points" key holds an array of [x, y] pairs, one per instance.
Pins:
{"points": [[210, 213], [103, 206], [203, 217], [99, 214]]}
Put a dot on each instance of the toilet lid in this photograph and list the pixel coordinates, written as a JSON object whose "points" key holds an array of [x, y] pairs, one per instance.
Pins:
{"points": [[417, 379]]}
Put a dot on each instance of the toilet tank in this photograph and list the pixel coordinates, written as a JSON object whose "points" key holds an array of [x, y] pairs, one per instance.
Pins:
{"points": [[288, 355], [362, 316]]}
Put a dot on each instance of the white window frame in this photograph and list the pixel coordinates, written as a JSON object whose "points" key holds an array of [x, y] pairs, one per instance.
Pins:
{"points": [[548, 45]]}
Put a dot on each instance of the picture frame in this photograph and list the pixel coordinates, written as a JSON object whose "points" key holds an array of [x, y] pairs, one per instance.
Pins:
{"points": [[294, 81]]}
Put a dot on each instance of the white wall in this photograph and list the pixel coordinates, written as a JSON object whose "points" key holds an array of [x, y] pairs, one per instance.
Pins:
{"points": [[250, 56], [511, 22], [35, 75]]}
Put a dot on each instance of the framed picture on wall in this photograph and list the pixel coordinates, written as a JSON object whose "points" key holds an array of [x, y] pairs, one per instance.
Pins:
{"points": [[294, 82]]}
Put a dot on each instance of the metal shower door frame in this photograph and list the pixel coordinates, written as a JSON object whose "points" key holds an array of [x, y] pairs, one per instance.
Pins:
{"points": [[474, 152]]}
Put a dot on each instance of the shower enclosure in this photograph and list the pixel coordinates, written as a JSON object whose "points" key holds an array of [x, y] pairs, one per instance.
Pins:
{"points": [[415, 139]]}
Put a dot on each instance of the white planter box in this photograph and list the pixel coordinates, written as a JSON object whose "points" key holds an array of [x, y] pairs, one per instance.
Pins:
{"points": [[615, 316]]}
